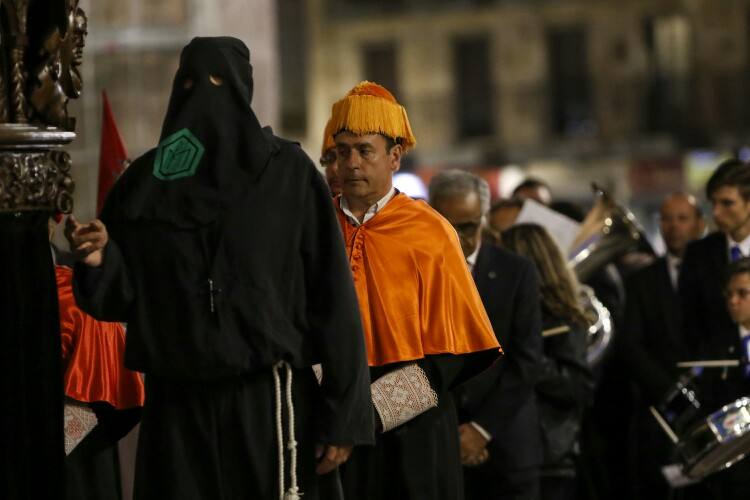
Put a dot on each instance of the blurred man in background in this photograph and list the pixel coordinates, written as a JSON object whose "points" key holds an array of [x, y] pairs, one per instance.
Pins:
{"points": [[654, 341], [498, 409], [712, 334]]}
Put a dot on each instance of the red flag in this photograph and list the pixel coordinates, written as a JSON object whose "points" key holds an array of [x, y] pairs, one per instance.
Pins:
{"points": [[113, 158]]}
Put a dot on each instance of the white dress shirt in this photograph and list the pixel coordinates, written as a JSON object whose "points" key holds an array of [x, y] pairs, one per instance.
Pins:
{"points": [[744, 246], [471, 260], [673, 266], [374, 209]]}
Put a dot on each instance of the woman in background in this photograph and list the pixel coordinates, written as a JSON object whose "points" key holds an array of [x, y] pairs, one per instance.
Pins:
{"points": [[565, 386]]}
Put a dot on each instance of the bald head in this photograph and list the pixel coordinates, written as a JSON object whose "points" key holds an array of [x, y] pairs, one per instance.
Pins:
{"points": [[681, 222]]}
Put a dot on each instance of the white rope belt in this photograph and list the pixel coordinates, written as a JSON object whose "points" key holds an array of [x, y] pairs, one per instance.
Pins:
{"points": [[293, 492]]}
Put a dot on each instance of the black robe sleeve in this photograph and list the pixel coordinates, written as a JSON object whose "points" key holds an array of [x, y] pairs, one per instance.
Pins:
{"points": [[105, 292], [346, 414]]}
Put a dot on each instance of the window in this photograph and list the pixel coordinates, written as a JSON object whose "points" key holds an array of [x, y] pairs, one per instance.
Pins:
{"points": [[473, 88], [569, 82], [381, 66], [667, 43], [292, 23]]}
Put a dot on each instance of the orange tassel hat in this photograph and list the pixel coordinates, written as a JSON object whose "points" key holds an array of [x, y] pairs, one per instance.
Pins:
{"points": [[370, 109]]}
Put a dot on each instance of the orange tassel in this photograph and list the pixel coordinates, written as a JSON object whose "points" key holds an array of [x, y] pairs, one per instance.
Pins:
{"points": [[369, 109]]}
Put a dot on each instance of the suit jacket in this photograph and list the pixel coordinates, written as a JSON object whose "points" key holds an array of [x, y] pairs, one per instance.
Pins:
{"points": [[709, 327], [707, 321], [502, 400], [653, 337]]}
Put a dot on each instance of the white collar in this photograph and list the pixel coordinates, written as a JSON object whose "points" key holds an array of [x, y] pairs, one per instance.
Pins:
{"points": [[744, 245], [673, 260], [374, 209], [673, 268], [471, 260], [744, 332]]}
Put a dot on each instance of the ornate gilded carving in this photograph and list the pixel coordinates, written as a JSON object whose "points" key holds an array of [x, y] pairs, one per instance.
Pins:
{"points": [[57, 78], [36, 181], [41, 44]]}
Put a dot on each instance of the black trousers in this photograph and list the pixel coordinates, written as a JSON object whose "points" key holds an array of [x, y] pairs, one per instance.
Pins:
{"points": [[492, 481], [217, 440]]}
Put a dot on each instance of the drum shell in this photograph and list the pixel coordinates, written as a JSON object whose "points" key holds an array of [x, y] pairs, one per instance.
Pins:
{"points": [[718, 441]]}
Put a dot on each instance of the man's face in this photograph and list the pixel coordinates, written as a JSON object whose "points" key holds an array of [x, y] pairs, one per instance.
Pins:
{"points": [[737, 294], [464, 212], [331, 164], [503, 218], [680, 223], [365, 167], [731, 211]]}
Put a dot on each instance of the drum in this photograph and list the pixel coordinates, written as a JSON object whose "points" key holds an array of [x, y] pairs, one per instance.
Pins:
{"points": [[679, 407], [716, 442]]}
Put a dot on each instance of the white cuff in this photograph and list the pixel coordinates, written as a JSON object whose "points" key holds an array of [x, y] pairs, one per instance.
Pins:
{"points": [[401, 395], [486, 435]]}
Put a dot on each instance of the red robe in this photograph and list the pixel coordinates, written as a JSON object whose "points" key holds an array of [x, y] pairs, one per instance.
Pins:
{"points": [[416, 294], [93, 354]]}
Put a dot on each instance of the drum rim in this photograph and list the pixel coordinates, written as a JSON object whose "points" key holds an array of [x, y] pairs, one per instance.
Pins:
{"points": [[693, 463]]}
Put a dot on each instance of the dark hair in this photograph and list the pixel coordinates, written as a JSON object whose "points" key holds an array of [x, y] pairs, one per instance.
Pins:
{"points": [[505, 203], [732, 173], [390, 142], [568, 209], [530, 183], [740, 266]]}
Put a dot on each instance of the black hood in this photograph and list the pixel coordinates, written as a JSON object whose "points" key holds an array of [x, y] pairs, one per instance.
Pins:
{"points": [[211, 144]]}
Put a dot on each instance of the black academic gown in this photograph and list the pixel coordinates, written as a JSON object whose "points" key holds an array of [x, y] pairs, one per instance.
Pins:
{"points": [[280, 289], [420, 458]]}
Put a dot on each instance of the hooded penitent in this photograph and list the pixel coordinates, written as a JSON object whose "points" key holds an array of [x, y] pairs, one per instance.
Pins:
{"points": [[211, 141]]}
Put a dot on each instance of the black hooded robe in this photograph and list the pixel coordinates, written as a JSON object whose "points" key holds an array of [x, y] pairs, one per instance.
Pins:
{"points": [[224, 258]]}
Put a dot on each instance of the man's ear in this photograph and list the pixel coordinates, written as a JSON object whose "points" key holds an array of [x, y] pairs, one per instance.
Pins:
{"points": [[394, 156]]}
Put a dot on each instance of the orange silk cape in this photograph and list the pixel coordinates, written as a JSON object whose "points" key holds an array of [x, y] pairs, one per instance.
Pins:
{"points": [[93, 354], [416, 295]]}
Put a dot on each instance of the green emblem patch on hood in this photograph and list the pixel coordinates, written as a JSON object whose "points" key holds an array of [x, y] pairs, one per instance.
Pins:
{"points": [[178, 156]]}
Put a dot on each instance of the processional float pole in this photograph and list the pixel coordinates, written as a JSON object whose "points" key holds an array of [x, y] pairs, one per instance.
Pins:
{"points": [[40, 54]]}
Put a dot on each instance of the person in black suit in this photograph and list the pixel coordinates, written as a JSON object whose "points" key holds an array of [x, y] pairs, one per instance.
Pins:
{"points": [[653, 341], [711, 332], [707, 320], [500, 431]]}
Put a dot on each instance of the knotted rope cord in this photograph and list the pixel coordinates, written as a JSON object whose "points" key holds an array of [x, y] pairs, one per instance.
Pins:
{"points": [[293, 493]]}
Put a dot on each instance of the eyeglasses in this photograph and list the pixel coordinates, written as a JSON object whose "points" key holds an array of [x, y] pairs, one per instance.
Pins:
{"points": [[468, 229], [741, 293], [328, 157]]}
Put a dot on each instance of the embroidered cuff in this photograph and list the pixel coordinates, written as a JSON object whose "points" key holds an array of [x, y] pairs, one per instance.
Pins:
{"points": [[79, 420], [401, 395]]}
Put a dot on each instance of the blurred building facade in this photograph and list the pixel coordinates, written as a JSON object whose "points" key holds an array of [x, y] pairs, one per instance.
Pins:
{"points": [[132, 52], [554, 85]]}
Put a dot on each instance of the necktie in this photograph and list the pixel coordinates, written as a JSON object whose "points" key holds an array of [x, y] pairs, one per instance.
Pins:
{"points": [[746, 355], [735, 253]]}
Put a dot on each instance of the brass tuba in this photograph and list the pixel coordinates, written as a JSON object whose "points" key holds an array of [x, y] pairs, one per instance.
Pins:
{"points": [[608, 232]]}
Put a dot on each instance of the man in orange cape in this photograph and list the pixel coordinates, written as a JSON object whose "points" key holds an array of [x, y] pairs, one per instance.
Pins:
{"points": [[424, 324]]}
